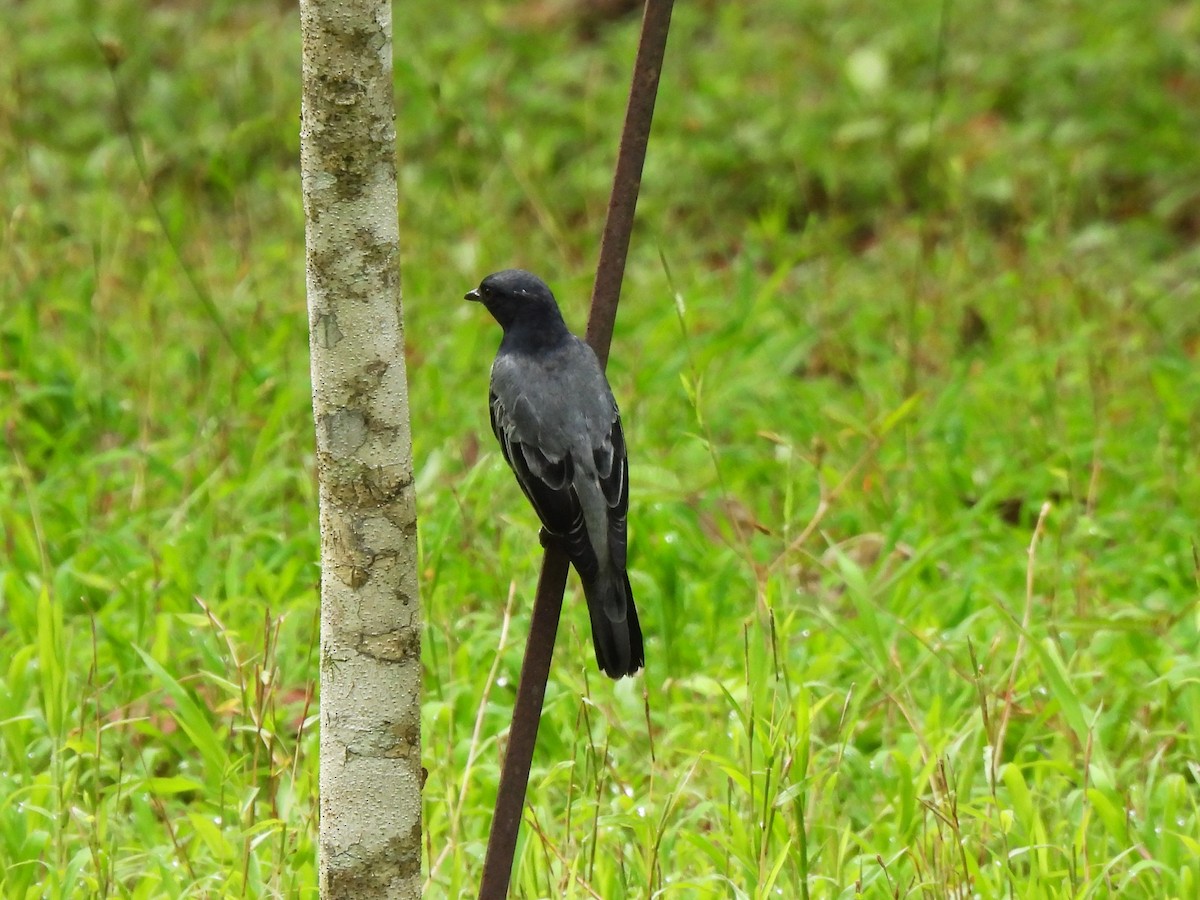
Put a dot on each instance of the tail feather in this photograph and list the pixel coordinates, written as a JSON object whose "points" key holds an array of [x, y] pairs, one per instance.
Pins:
{"points": [[616, 631]]}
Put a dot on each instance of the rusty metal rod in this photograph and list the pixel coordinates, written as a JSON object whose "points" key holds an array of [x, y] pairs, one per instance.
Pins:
{"points": [[547, 604]]}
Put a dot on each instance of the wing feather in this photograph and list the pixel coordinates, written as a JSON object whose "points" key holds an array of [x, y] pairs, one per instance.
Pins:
{"points": [[547, 483], [612, 464]]}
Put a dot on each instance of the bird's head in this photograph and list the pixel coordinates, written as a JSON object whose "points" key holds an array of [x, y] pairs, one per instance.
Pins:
{"points": [[515, 296]]}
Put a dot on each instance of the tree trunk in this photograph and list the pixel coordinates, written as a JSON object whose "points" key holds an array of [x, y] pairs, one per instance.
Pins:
{"points": [[370, 617]]}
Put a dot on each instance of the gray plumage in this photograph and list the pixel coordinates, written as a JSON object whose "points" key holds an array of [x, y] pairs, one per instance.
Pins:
{"points": [[560, 431]]}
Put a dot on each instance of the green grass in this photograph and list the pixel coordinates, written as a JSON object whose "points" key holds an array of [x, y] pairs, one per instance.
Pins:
{"points": [[915, 288]]}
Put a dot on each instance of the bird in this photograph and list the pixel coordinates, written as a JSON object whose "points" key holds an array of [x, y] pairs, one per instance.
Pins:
{"points": [[559, 429]]}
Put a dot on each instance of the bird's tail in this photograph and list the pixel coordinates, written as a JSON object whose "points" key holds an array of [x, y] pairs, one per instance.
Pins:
{"points": [[616, 632]]}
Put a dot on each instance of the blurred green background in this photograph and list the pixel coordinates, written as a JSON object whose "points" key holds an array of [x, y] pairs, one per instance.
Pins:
{"points": [[902, 274]]}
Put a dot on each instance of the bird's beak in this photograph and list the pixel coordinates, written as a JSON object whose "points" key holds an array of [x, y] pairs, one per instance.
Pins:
{"points": [[473, 296]]}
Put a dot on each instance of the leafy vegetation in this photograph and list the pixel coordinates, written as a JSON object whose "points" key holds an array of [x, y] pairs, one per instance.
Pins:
{"points": [[908, 363]]}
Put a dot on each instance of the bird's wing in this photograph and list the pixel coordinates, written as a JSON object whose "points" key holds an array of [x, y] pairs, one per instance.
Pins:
{"points": [[612, 466], [545, 478]]}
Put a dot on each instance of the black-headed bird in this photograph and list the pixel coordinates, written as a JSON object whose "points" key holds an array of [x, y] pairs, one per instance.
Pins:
{"points": [[559, 428]]}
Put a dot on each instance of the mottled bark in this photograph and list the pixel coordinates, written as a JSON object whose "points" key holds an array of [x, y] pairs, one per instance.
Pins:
{"points": [[370, 617]]}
